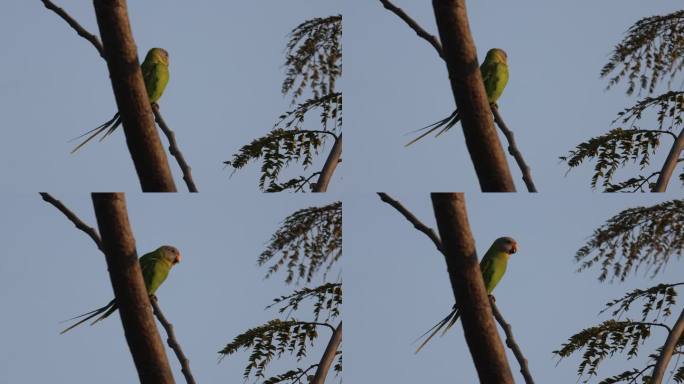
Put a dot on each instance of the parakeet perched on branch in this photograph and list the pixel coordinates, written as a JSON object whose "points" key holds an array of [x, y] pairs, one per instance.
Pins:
{"points": [[494, 71], [493, 267], [155, 71], [155, 268]]}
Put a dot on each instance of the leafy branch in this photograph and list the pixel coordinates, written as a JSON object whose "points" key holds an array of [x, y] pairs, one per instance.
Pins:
{"points": [[635, 237], [326, 297], [308, 240]]}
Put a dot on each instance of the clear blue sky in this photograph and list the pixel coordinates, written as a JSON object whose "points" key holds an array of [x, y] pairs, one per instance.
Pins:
{"points": [[397, 286], [395, 83], [226, 62], [50, 272]]}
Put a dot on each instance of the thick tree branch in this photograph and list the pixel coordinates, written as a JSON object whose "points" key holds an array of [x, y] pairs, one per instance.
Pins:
{"points": [[172, 342], [90, 231], [670, 163], [76, 26], [173, 146], [329, 166], [429, 232], [522, 361], [133, 103], [131, 295], [174, 150], [668, 348], [157, 311], [513, 150], [414, 25], [511, 344], [328, 356], [467, 86], [469, 289], [512, 146]]}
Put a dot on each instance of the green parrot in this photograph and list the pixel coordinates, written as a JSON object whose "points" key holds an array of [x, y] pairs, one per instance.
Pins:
{"points": [[494, 71], [493, 267], [155, 268], [155, 70]]}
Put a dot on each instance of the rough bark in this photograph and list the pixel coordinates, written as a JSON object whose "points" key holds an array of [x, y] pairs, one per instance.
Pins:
{"points": [[132, 101], [328, 356], [479, 327], [460, 55], [126, 277]]}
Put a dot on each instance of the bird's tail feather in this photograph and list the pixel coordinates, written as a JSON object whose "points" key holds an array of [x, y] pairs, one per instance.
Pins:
{"points": [[111, 125], [89, 315], [450, 319], [446, 123], [111, 310]]}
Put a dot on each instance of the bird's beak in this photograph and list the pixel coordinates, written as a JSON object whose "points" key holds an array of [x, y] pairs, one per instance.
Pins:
{"points": [[177, 259]]}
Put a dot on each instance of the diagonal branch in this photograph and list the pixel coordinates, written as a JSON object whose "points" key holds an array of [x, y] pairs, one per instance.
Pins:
{"points": [[670, 163], [328, 356], [171, 337], [174, 150], [414, 25], [173, 146], [666, 352], [329, 166], [172, 342], [511, 343], [513, 150], [90, 231], [76, 26], [429, 232], [432, 40]]}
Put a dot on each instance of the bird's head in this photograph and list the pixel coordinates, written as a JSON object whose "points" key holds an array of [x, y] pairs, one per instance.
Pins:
{"points": [[172, 254], [506, 244], [158, 54], [497, 54]]}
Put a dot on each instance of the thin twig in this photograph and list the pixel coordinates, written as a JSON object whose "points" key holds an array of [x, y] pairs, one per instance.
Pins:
{"points": [[414, 25], [173, 146], [513, 150], [172, 342], [90, 231], [511, 343], [429, 232], [171, 336], [512, 146], [174, 150], [76, 26]]}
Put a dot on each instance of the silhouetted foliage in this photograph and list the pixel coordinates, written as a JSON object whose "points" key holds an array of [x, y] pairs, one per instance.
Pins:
{"points": [[622, 336], [652, 51], [635, 237], [308, 240], [314, 62]]}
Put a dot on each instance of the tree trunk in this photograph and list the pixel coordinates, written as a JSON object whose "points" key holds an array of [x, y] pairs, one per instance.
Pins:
{"points": [[131, 295], [328, 356], [134, 106], [670, 164], [471, 296], [481, 138], [669, 347]]}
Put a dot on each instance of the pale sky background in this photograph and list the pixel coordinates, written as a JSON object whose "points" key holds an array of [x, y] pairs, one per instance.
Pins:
{"points": [[50, 272], [226, 72]]}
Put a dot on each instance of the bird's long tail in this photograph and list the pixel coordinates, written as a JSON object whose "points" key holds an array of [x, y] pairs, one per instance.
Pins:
{"points": [[107, 310], [109, 126], [448, 321], [445, 124]]}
